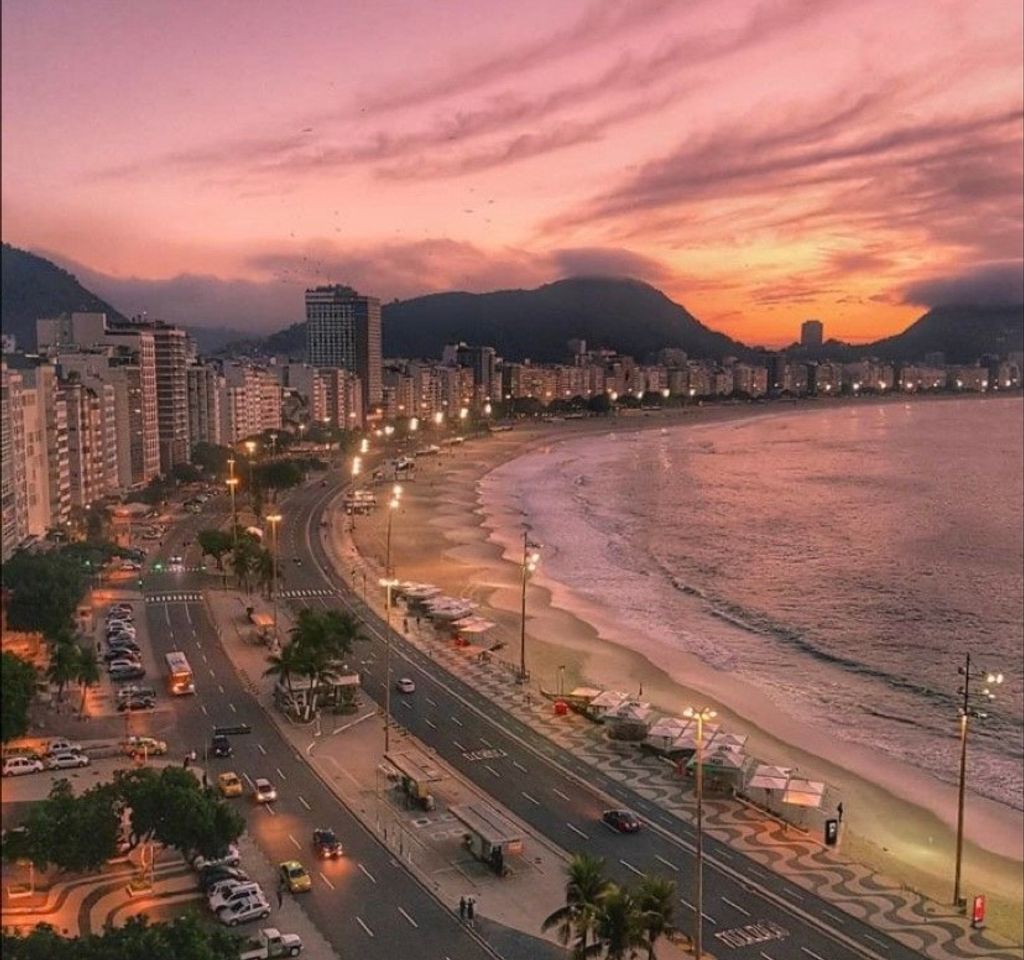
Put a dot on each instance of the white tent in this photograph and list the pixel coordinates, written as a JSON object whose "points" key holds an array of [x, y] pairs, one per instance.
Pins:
{"points": [[473, 625], [767, 777], [687, 740], [803, 793], [608, 700], [668, 727], [631, 710]]}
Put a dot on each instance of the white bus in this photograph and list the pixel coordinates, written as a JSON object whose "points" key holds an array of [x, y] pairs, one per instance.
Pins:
{"points": [[179, 674]]}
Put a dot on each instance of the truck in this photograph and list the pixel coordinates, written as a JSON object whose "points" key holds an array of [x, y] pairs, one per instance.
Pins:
{"points": [[271, 943]]}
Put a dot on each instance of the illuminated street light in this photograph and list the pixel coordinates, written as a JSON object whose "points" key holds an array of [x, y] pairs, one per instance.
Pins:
{"points": [[364, 445], [357, 466], [463, 413], [274, 519], [531, 558], [968, 710], [439, 418], [666, 393], [701, 715], [414, 424], [389, 582], [389, 430]]}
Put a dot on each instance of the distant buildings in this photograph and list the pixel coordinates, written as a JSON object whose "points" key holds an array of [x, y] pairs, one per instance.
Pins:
{"points": [[812, 333], [343, 331]]}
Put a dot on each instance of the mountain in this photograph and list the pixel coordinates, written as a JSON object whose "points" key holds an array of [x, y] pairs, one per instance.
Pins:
{"points": [[625, 315], [962, 333], [32, 287]]}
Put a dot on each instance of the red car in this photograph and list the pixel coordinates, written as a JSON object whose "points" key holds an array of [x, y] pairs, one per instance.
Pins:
{"points": [[621, 820]]}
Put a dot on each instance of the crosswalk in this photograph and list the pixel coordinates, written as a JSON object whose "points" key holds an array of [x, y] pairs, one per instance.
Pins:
{"points": [[303, 594], [173, 597]]}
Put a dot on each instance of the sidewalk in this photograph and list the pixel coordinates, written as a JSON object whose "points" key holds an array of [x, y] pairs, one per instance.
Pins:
{"points": [[348, 756], [923, 924]]}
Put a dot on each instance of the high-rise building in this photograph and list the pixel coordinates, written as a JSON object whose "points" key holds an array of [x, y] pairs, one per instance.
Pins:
{"points": [[251, 402], [171, 344], [482, 361], [204, 400], [92, 439], [812, 333], [343, 329], [13, 491]]}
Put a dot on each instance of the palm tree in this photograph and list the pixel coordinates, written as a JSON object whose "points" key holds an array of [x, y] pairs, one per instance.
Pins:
{"points": [[284, 665], [264, 569], [87, 673], [63, 665], [242, 564], [617, 925], [586, 888], [655, 898]]}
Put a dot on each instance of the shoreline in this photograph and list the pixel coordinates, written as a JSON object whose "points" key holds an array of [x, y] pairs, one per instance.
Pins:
{"points": [[460, 527]]}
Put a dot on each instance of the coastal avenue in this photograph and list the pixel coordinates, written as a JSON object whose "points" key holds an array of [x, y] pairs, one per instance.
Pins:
{"points": [[363, 902], [748, 905]]}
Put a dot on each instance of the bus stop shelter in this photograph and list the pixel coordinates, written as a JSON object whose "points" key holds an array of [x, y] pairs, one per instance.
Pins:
{"points": [[491, 836], [417, 772]]}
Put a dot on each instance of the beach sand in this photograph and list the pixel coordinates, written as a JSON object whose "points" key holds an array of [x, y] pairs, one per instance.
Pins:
{"points": [[465, 536]]}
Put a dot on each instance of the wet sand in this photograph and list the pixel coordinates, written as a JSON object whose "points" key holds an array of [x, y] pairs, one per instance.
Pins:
{"points": [[465, 536]]}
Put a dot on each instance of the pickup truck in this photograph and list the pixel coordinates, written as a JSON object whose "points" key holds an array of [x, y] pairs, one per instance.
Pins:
{"points": [[271, 943]]}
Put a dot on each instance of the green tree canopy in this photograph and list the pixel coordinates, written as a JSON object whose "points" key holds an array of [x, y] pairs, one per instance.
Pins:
{"points": [[17, 687], [278, 475], [212, 459], [215, 543], [45, 589]]}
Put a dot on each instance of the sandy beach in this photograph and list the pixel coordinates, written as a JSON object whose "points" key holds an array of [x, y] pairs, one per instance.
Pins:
{"points": [[461, 530]]}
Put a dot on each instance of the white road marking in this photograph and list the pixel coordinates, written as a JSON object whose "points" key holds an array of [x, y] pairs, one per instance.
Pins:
{"points": [[671, 866], [577, 831], [486, 742], [764, 956], [487, 766], [811, 953], [690, 906], [560, 794], [459, 746], [723, 854], [298, 846], [203, 708], [200, 646], [407, 917], [232, 708], [736, 906], [406, 704], [303, 802], [631, 868], [281, 775], [259, 746], [203, 655], [789, 893], [367, 872], [519, 766], [220, 688], [430, 723], [331, 885], [456, 720], [528, 797], [212, 674], [833, 917], [270, 809], [881, 943]]}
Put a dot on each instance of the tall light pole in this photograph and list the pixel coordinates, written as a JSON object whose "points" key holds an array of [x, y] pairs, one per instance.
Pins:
{"points": [[530, 560], [250, 448], [968, 710], [700, 715], [388, 582], [232, 483], [274, 519]]}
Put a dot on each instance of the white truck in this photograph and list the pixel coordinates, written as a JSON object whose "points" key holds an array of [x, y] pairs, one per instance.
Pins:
{"points": [[270, 944]]}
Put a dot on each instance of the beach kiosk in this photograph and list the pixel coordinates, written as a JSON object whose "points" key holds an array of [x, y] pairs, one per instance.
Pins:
{"points": [[416, 773], [490, 836], [604, 702], [629, 721]]}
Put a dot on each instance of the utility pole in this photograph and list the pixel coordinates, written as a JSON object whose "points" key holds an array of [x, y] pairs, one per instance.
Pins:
{"points": [[529, 565]]}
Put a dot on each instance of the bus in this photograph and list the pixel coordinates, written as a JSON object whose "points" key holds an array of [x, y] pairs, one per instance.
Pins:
{"points": [[179, 674]]}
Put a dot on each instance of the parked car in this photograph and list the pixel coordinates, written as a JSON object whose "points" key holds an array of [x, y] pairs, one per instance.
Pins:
{"points": [[622, 820], [124, 661], [134, 690], [61, 745], [17, 766], [271, 944], [255, 908], [264, 791], [123, 655], [231, 892], [327, 844], [220, 746], [231, 859], [150, 746], [212, 876], [294, 876], [66, 760], [132, 704]]}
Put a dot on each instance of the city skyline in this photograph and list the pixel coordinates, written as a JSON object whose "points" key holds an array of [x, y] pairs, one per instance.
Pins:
{"points": [[745, 164]]}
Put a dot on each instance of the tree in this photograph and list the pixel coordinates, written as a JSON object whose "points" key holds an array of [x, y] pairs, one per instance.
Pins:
{"points": [[212, 459], [17, 687], [183, 938], [284, 665], [215, 543], [264, 565], [45, 589], [87, 673], [243, 562], [655, 901], [277, 475], [617, 924], [585, 890], [63, 666], [600, 403], [186, 473]]}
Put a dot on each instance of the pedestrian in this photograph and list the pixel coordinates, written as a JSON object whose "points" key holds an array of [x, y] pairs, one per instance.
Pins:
{"points": [[417, 620], [470, 904], [188, 760], [462, 908], [839, 810], [280, 894], [405, 624]]}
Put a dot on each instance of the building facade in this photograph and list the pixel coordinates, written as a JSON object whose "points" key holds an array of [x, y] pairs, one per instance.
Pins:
{"points": [[343, 330]]}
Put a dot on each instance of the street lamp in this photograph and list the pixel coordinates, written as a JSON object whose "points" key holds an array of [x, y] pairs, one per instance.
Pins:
{"points": [[388, 582], [530, 560], [704, 713], [438, 418], [250, 447], [274, 519], [389, 430], [463, 413], [969, 709], [232, 482], [364, 445], [357, 466], [414, 424]]}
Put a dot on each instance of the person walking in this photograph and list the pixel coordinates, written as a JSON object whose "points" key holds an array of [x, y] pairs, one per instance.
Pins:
{"points": [[280, 894], [839, 811], [462, 908], [470, 908]]}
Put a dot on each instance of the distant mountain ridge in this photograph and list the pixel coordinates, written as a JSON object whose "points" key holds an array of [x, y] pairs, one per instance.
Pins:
{"points": [[32, 288]]}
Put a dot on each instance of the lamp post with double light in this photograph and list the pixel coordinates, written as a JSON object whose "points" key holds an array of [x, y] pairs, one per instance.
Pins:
{"points": [[530, 560], [970, 709], [274, 519], [388, 582], [232, 482], [700, 715], [250, 449]]}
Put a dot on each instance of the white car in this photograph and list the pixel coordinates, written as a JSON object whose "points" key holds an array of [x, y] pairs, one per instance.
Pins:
{"points": [[405, 685], [66, 760], [253, 908], [264, 791], [60, 745], [228, 896], [123, 663], [231, 859], [16, 766]]}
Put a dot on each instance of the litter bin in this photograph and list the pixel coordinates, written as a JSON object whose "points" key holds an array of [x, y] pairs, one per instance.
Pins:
{"points": [[561, 708]]}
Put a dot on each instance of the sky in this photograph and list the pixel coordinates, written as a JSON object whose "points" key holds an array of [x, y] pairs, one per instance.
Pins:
{"points": [[760, 161]]}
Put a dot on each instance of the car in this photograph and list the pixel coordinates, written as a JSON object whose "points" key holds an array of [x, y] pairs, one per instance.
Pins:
{"points": [[62, 745], [126, 670], [222, 887], [297, 561], [125, 633], [132, 704], [124, 661], [133, 690], [230, 859], [264, 791], [624, 821], [220, 746], [176, 559], [149, 746], [231, 892], [123, 655], [119, 616], [66, 760], [18, 766], [229, 784], [122, 639], [254, 908], [293, 874], [211, 876], [327, 844], [122, 645], [405, 685], [130, 565], [120, 607]]}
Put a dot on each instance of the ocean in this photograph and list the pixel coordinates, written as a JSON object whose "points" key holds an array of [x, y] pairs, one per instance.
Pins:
{"points": [[842, 560]]}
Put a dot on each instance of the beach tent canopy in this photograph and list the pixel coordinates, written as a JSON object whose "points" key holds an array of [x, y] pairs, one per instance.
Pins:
{"points": [[687, 740], [630, 710], [473, 625], [729, 761], [669, 727], [585, 693], [729, 740], [803, 793], [770, 778], [609, 699]]}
